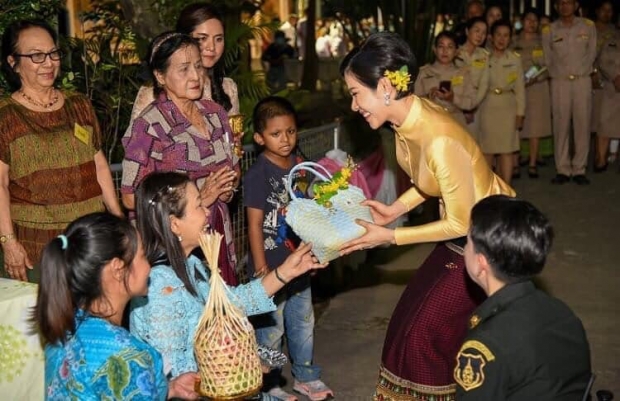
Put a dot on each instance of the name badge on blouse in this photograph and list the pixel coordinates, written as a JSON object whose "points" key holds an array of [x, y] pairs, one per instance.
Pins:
{"points": [[82, 134], [457, 80], [537, 53], [479, 63], [512, 77]]}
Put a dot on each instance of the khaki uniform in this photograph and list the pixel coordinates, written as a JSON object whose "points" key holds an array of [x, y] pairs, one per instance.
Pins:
{"points": [[478, 64], [537, 123], [464, 92], [602, 36], [503, 103], [609, 67], [569, 53]]}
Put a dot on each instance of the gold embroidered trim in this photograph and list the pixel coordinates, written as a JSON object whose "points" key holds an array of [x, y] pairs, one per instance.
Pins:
{"points": [[455, 248], [393, 388]]}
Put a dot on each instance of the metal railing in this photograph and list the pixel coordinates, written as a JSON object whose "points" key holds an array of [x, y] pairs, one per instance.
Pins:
{"points": [[313, 144]]}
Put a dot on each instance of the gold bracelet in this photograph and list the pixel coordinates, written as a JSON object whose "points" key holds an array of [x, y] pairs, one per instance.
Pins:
{"points": [[280, 277], [6, 238]]}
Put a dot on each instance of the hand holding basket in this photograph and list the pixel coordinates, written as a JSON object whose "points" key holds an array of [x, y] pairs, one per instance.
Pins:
{"points": [[329, 225]]}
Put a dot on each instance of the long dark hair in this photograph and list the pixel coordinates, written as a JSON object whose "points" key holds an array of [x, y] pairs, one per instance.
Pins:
{"points": [[192, 16], [10, 39], [160, 51], [71, 270], [383, 51], [158, 197]]}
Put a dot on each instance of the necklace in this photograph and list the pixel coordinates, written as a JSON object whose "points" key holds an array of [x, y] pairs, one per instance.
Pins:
{"points": [[39, 104]]}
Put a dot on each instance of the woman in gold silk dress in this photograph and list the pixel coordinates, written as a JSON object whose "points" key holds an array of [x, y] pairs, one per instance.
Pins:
{"points": [[443, 161]]}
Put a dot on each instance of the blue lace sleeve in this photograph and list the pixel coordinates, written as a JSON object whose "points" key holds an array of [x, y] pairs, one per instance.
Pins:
{"points": [[252, 298], [162, 320]]}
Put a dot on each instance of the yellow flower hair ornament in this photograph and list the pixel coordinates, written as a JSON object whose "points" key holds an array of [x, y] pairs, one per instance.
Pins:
{"points": [[399, 79]]}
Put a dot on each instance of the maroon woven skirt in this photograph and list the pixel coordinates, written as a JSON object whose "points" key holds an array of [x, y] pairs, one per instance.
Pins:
{"points": [[427, 328]]}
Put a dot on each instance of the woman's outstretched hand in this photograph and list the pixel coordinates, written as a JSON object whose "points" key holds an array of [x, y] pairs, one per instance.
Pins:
{"points": [[383, 214], [375, 236], [300, 262]]}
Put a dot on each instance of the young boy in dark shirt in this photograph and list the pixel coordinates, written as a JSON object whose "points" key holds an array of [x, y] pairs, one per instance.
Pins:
{"points": [[272, 240]]}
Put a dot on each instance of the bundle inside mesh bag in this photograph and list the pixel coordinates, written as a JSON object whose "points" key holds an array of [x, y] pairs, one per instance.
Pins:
{"points": [[224, 343]]}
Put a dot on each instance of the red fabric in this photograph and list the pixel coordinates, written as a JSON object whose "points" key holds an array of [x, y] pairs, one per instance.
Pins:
{"points": [[225, 259], [373, 168], [357, 177], [430, 320]]}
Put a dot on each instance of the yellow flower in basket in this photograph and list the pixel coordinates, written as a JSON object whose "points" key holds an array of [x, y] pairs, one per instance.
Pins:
{"points": [[329, 219], [224, 343]]}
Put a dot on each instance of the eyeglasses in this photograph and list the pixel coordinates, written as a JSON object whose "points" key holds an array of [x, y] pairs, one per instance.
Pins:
{"points": [[39, 58]]}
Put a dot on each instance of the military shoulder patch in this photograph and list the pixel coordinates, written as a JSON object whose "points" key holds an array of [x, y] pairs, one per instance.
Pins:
{"points": [[470, 362]]}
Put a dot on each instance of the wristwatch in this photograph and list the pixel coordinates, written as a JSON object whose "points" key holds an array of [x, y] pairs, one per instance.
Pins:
{"points": [[6, 238]]}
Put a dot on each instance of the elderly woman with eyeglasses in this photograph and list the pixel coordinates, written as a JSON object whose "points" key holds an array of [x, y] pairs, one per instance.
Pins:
{"points": [[52, 168]]}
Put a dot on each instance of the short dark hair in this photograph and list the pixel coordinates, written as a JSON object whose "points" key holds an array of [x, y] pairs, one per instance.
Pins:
{"points": [[270, 107], [10, 39], [473, 21], [160, 51], [381, 52], [499, 23], [513, 235], [531, 10], [158, 197], [192, 16], [71, 270], [446, 34]]}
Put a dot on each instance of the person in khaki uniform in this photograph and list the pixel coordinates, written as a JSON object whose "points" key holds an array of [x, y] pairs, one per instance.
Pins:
{"points": [[476, 58], [444, 83], [537, 122], [569, 46], [609, 113], [605, 30], [502, 111]]}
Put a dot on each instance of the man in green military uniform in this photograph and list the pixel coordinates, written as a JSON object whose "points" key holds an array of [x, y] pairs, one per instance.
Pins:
{"points": [[522, 344]]}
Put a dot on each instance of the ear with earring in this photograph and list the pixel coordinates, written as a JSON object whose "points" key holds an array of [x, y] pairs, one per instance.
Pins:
{"points": [[180, 238], [386, 98]]}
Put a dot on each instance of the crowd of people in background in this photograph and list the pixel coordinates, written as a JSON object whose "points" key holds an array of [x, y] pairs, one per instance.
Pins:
{"points": [[523, 77]]}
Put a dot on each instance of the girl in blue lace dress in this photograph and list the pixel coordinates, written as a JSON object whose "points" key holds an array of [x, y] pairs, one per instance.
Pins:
{"points": [[170, 217], [88, 275]]}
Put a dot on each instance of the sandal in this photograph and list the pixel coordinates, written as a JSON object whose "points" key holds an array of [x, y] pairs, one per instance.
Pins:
{"points": [[532, 171], [280, 394], [316, 390]]}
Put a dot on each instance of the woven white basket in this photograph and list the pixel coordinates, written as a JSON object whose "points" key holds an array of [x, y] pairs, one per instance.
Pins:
{"points": [[327, 228]]}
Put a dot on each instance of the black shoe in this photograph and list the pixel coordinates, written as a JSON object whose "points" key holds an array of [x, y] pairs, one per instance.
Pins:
{"points": [[581, 179], [516, 173], [600, 169], [560, 179], [532, 171]]}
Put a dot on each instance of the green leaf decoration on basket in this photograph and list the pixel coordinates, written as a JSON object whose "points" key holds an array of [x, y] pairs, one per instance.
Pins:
{"points": [[324, 191]]}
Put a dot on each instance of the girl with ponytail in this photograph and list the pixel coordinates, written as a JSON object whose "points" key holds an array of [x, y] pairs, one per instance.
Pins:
{"points": [[89, 274]]}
